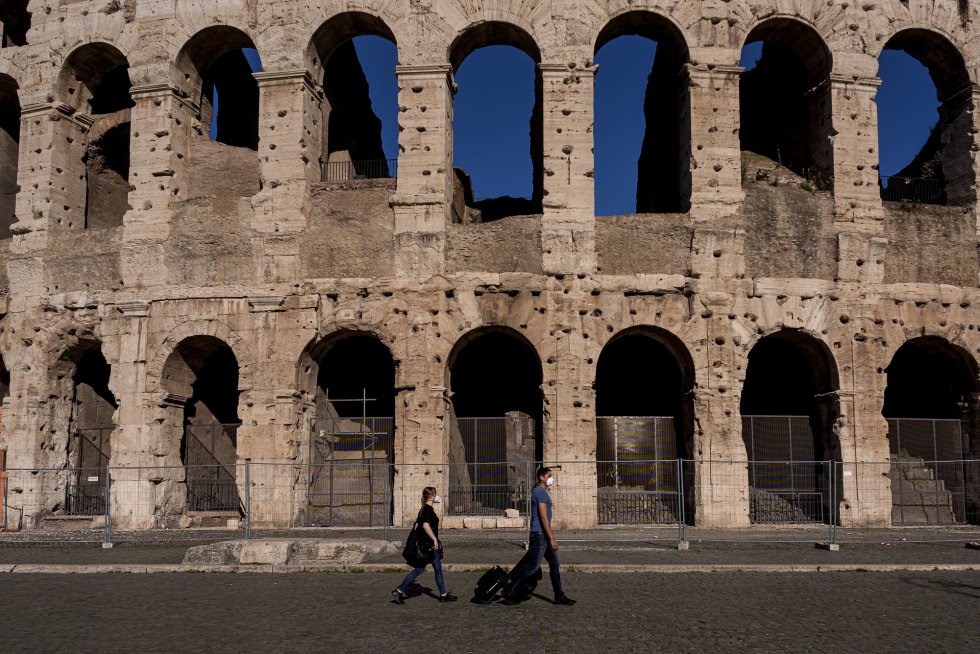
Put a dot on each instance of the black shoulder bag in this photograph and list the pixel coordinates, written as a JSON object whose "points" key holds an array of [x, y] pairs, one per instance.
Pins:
{"points": [[417, 553]]}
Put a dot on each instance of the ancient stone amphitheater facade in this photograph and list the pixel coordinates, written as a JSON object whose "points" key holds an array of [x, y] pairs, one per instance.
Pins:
{"points": [[159, 282]]}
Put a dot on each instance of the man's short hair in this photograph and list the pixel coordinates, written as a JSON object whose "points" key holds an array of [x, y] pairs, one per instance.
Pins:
{"points": [[543, 471]]}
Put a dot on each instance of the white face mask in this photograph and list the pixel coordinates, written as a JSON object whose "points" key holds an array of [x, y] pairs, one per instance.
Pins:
{"points": [[550, 482], [437, 500]]}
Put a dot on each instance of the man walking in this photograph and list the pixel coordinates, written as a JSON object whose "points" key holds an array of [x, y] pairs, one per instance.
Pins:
{"points": [[542, 545]]}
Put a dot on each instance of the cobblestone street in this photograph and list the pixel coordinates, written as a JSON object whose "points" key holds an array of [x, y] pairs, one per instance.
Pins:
{"points": [[749, 612]]}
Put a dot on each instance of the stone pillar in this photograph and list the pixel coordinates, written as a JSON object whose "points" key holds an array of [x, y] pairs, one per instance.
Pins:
{"points": [[132, 496], [720, 481], [857, 196], [51, 174], [160, 138], [290, 135], [425, 170], [568, 224], [864, 489], [714, 151]]}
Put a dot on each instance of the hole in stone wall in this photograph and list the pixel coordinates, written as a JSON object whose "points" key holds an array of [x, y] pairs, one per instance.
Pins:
{"points": [[9, 144], [924, 124], [4, 381], [785, 106], [642, 130], [353, 367], [497, 122], [15, 21], [929, 378]]}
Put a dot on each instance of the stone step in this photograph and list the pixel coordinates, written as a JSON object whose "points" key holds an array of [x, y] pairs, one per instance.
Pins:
{"points": [[922, 515]]}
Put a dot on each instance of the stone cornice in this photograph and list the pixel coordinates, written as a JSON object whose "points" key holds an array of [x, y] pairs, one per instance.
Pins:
{"points": [[134, 308], [286, 78], [263, 303]]}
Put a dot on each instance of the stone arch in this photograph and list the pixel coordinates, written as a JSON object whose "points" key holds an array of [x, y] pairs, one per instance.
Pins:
{"points": [[9, 147], [931, 405], [788, 94], [195, 16], [351, 136], [214, 328], [95, 82], [946, 155], [790, 409], [211, 61], [663, 167], [15, 22], [493, 379], [644, 399], [502, 33]]}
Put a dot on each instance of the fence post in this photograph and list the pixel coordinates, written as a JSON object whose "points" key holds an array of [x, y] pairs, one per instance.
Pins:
{"points": [[681, 518], [389, 473], [528, 465], [833, 501], [107, 527], [248, 499]]}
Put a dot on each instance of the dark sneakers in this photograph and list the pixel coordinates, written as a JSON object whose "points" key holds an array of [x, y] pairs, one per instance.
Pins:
{"points": [[564, 600], [448, 597], [398, 596]]}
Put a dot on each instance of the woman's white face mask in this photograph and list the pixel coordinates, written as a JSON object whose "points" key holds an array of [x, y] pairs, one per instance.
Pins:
{"points": [[550, 482], [437, 500]]}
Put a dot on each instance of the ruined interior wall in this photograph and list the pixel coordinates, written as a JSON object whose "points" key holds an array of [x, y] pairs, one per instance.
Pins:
{"points": [[930, 244], [511, 244], [645, 243], [87, 260], [351, 231], [789, 232]]}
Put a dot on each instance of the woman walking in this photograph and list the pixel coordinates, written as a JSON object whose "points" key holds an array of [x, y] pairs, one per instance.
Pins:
{"points": [[428, 524]]}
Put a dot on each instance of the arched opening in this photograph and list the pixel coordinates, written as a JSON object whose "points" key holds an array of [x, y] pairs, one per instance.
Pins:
{"points": [[9, 145], [789, 406], [642, 117], [215, 70], [353, 56], [785, 103], [90, 431], [202, 374], [497, 122], [96, 82], [15, 21], [644, 425], [924, 121], [495, 416], [931, 408], [352, 443]]}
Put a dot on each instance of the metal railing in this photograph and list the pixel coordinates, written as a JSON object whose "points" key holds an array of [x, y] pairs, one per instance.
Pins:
{"points": [[912, 189], [345, 171], [715, 498]]}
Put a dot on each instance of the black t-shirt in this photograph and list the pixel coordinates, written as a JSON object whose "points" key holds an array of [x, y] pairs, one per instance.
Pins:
{"points": [[428, 515]]}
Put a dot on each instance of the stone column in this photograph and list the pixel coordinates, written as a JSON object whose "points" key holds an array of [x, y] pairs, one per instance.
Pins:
{"points": [[857, 197], [51, 176], [132, 496], [290, 135], [714, 151], [568, 224], [720, 480], [160, 137], [425, 170]]}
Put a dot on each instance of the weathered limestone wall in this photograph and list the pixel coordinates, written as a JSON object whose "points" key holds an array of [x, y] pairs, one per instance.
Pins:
{"points": [[249, 248]]}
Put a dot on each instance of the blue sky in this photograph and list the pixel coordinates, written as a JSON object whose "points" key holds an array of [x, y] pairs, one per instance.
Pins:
{"points": [[496, 97]]}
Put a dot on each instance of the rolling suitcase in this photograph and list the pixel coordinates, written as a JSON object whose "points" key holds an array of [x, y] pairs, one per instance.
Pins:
{"points": [[490, 583]]}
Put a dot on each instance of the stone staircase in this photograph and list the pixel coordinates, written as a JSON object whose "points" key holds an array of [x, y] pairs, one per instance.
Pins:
{"points": [[918, 498]]}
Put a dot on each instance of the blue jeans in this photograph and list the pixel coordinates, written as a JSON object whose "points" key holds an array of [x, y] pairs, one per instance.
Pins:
{"points": [[539, 548], [436, 566]]}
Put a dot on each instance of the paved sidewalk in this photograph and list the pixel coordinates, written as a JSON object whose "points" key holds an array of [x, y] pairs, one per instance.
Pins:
{"points": [[601, 549]]}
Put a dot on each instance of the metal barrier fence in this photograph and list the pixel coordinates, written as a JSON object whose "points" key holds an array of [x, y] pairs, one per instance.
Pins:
{"points": [[345, 171], [912, 189], [702, 500]]}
